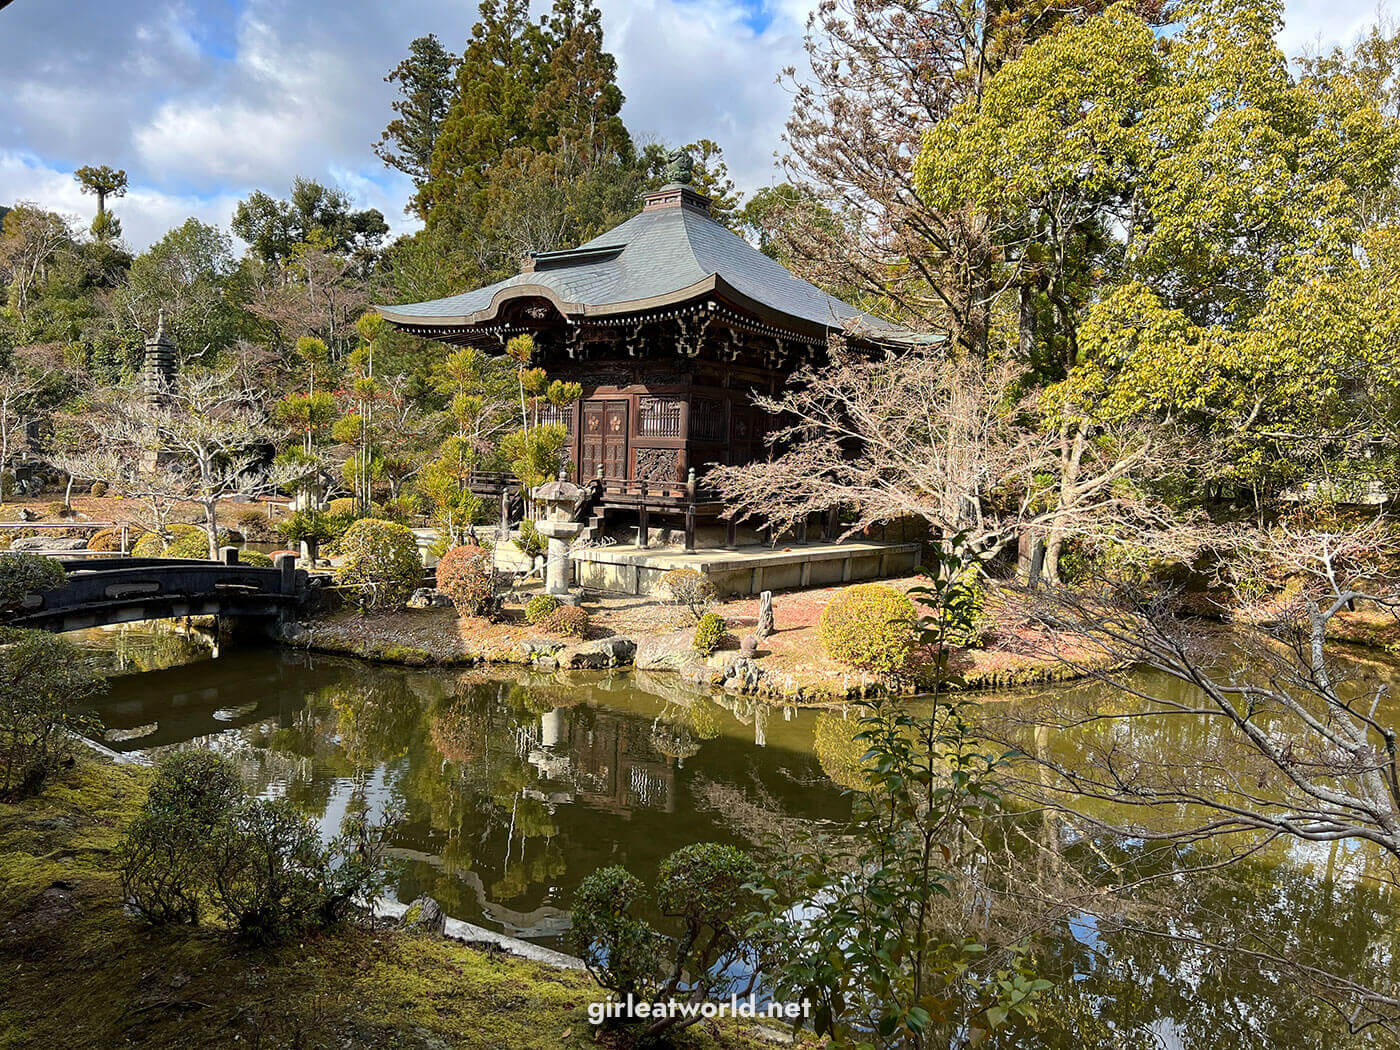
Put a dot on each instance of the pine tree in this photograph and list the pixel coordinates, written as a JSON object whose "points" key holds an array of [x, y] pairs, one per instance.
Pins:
{"points": [[427, 83], [103, 182]]}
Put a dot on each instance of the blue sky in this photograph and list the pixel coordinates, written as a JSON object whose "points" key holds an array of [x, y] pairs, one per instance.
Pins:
{"points": [[203, 101]]}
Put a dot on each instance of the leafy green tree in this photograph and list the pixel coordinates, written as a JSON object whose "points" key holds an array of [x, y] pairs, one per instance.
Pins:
{"points": [[192, 278], [426, 80], [316, 216], [43, 678]]}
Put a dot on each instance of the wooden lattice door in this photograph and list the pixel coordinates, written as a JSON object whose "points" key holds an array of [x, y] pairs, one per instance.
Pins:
{"points": [[604, 440]]}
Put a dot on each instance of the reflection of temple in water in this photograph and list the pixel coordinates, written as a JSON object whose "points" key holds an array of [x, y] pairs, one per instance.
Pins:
{"points": [[607, 761]]}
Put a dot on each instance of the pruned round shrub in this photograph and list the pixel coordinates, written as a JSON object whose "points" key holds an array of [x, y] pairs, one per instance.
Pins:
{"points": [[99, 488], [710, 633], [467, 574], [105, 540], [869, 626], [255, 558], [187, 541], [689, 587], [59, 509], [24, 574], [148, 545], [381, 565], [571, 621], [621, 950], [540, 606]]}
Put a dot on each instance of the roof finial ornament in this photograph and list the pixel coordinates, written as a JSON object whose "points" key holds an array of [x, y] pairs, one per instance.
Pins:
{"points": [[680, 166]]}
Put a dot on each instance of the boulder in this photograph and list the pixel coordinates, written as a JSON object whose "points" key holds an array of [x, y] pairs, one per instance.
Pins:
{"points": [[49, 543], [605, 652], [536, 648], [428, 598], [425, 914], [665, 652]]}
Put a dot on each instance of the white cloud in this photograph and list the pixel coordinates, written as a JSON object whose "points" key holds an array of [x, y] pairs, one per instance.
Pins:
{"points": [[203, 101]]}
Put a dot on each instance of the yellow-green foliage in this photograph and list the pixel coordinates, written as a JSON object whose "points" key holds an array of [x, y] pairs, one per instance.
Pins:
{"points": [[257, 558], [710, 633], [105, 540], [344, 507], [188, 541], [540, 606], [839, 753], [381, 563], [869, 626], [148, 545], [99, 488]]}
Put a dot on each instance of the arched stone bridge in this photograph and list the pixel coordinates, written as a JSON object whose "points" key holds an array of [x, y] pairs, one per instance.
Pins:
{"points": [[103, 591]]}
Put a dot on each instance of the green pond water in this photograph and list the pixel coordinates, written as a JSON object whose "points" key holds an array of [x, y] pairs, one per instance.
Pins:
{"points": [[515, 786]]}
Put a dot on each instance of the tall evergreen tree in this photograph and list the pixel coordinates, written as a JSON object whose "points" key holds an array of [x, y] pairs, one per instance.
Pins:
{"points": [[103, 182], [427, 80]]}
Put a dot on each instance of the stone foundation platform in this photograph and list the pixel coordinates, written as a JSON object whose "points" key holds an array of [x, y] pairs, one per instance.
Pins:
{"points": [[742, 570]]}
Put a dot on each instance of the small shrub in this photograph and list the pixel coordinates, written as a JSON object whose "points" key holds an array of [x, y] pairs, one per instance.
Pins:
{"points": [[255, 525], [163, 859], [381, 565], [189, 541], [148, 545], [59, 509], [42, 679], [99, 488], [467, 574], [703, 888], [710, 633], [540, 606], [105, 540], [24, 574], [622, 952], [690, 588], [529, 542], [570, 621], [267, 870], [311, 526], [256, 558], [869, 626]]}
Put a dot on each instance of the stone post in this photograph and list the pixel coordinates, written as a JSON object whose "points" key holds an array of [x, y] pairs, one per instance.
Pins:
{"points": [[765, 625]]}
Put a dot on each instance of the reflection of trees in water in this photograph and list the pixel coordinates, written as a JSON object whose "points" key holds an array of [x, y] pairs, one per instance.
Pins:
{"points": [[1178, 967]]}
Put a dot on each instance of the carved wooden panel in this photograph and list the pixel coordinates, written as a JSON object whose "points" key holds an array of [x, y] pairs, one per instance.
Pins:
{"points": [[657, 464]]}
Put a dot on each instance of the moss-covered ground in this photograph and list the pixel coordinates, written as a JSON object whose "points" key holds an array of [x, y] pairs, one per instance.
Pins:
{"points": [[78, 972]]}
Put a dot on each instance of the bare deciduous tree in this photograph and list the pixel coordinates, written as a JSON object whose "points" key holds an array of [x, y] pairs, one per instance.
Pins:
{"points": [[946, 440], [202, 443]]}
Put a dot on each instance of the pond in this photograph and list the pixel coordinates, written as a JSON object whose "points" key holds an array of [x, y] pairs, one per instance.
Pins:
{"points": [[515, 786]]}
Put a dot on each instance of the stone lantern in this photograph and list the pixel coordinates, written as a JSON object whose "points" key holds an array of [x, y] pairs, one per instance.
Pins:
{"points": [[561, 500]]}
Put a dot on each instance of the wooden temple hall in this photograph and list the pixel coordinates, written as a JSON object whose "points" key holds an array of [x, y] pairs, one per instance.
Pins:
{"points": [[672, 323]]}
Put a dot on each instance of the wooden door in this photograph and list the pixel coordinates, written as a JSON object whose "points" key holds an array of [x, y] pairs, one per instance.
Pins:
{"points": [[604, 440]]}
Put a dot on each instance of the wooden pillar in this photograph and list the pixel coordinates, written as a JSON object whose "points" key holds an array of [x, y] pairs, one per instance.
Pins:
{"points": [[802, 531], [731, 534], [689, 527], [643, 527], [833, 525]]}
